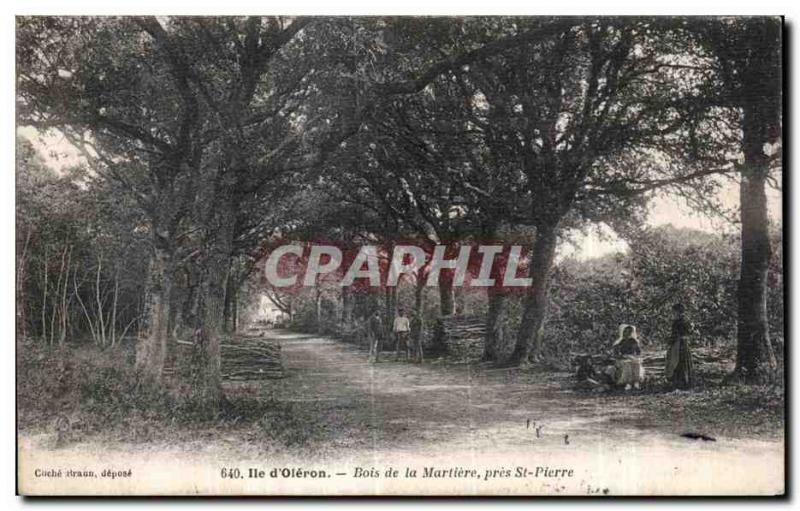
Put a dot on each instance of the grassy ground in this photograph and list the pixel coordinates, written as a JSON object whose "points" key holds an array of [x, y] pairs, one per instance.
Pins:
{"points": [[334, 400], [734, 411], [713, 405], [336, 411]]}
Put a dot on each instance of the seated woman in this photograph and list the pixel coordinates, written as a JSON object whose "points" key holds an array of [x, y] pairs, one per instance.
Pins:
{"points": [[628, 368]]}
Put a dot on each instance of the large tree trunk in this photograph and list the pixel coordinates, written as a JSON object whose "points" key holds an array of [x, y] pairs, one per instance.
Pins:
{"points": [[215, 271], [494, 319], [231, 300], [755, 359], [151, 347], [494, 336], [447, 302], [531, 329], [213, 298]]}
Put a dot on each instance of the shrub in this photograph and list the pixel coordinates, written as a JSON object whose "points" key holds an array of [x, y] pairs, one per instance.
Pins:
{"points": [[589, 299]]}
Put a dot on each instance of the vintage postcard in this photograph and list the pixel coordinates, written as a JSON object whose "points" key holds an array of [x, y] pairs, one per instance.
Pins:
{"points": [[392, 256]]}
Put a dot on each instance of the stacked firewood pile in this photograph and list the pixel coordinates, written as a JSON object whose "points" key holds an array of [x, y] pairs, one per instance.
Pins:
{"points": [[251, 358], [654, 364], [713, 362], [247, 357], [709, 361], [460, 337]]}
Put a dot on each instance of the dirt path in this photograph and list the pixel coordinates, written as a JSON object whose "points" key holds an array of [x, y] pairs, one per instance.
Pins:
{"points": [[349, 418], [400, 405], [438, 407], [457, 414]]}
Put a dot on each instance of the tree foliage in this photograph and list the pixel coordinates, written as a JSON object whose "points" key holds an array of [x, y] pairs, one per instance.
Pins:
{"points": [[206, 141]]}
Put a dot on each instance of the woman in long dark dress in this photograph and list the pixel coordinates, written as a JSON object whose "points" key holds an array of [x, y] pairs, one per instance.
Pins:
{"points": [[679, 369]]}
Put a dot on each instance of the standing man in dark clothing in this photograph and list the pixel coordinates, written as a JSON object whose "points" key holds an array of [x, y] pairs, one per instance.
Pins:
{"points": [[375, 334], [417, 333]]}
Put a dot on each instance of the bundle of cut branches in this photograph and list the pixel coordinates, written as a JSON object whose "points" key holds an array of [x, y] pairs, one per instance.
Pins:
{"points": [[251, 359], [460, 337], [248, 357]]}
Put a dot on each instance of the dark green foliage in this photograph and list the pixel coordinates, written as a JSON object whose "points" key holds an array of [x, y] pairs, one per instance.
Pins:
{"points": [[210, 136], [591, 298], [664, 266], [73, 227]]}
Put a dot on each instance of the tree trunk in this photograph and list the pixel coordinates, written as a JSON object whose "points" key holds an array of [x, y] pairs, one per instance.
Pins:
{"points": [[391, 304], [22, 261], [100, 317], [44, 298], [226, 309], [348, 304], [447, 302], [531, 329], [419, 307], [419, 292], [56, 308], [64, 313], [460, 299], [235, 313], [230, 299], [173, 327], [113, 321], [494, 319], [215, 286], [213, 304], [83, 305], [318, 309], [755, 359], [151, 347]]}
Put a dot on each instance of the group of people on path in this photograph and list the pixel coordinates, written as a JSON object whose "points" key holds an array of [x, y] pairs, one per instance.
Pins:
{"points": [[628, 369], [400, 333]]}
